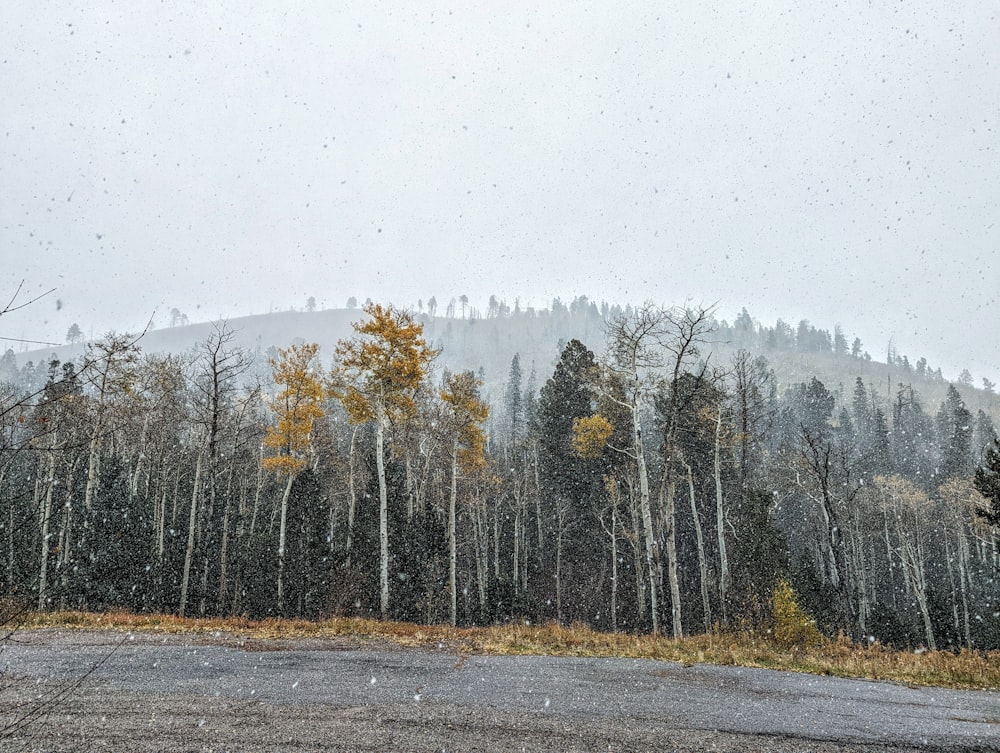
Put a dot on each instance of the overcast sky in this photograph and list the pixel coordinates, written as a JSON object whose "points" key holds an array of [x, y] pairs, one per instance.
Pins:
{"points": [[839, 163]]}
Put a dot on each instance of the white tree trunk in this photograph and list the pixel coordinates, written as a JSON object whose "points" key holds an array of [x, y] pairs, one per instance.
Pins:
{"points": [[647, 517], [720, 522], [452, 543], [383, 515], [352, 499], [189, 551], [282, 528], [93, 471], [670, 490], [614, 566], [43, 568], [637, 554], [706, 606]]}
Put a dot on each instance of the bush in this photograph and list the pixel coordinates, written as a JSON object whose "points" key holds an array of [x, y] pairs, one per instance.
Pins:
{"points": [[793, 626]]}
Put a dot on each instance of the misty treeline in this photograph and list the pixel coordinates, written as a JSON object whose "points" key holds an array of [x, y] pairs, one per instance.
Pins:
{"points": [[640, 486]]}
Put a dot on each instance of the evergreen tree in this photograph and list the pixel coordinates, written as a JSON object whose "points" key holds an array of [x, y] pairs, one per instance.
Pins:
{"points": [[568, 481], [913, 450], [955, 436], [513, 407], [987, 482]]}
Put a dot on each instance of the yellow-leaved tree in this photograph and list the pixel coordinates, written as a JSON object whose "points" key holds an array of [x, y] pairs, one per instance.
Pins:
{"points": [[297, 406], [466, 414], [379, 371], [590, 435]]}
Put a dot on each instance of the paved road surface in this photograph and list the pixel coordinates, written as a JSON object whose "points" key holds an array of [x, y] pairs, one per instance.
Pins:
{"points": [[184, 693]]}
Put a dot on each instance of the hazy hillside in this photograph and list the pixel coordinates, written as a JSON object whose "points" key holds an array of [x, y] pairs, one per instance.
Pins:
{"points": [[487, 345]]}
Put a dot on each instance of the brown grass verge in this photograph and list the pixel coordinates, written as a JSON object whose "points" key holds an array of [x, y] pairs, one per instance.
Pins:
{"points": [[842, 658]]}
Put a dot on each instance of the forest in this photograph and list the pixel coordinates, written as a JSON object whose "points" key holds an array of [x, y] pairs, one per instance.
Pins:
{"points": [[646, 484]]}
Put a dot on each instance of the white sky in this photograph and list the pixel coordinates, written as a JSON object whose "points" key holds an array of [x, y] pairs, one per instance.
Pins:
{"points": [[836, 163]]}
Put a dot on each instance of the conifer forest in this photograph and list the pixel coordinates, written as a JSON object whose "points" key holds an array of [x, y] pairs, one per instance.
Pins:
{"points": [[649, 481]]}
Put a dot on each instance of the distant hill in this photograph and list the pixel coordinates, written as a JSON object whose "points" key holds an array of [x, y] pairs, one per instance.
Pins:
{"points": [[487, 346]]}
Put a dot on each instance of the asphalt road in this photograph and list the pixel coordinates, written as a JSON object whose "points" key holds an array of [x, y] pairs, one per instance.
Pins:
{"points": [[217, 693]]}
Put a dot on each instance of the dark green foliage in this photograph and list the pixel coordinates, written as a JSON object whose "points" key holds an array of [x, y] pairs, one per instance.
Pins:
{"points": [[888, 629], [812, 404], [955, 432], [759, 556], [913, 448], [819, 598], [566, 395], [987, 481], [309, 557], [570, 485], [114, 565]]}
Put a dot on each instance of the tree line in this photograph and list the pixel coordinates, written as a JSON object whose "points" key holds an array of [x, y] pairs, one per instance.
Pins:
{"points": [[646, 488]]}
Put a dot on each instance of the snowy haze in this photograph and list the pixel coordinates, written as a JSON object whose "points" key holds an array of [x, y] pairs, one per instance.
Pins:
{"points": [[832, 163]]}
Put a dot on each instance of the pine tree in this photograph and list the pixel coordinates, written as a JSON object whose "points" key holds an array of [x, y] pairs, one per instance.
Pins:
{"points": [[987, 482], [567, 479], [955, 436]]}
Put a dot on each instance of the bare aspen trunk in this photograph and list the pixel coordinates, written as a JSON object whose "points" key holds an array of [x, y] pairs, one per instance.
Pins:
{"points": [[256, 498], [720, 522], [383, 515], [10, 549], [647, 517], [43, 568], [176, 496], [860, 568], [452, 543], [496, 542], [637, 554], [913, 569], [352, 499], [952, 587], [889, 551], [538, 506], [481, 544], [224, 545], [411, 486], [93, 471], [161, 528], [706, 606], [281, 543], [515, 574], [137, 472], [66, 538], [669, 489], [963, 578], [422, 484], [925, 613], [192, 524], [614, 566]]}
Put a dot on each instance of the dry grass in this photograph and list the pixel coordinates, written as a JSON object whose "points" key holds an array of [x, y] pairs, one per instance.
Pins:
{"points": [[968, 669]]}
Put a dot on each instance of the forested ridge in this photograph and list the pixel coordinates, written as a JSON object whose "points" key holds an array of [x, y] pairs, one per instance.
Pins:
{"points": [[658, 478]]}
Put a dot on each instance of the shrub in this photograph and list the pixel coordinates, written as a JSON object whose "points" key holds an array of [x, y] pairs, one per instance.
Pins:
{"points": [[793, 626]]}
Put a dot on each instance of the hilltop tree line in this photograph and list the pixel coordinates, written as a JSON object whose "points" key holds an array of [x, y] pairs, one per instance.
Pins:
{"points": [[640, 486]]}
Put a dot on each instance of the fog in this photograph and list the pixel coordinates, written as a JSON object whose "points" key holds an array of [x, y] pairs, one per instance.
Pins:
{"points": [[831, 163]]}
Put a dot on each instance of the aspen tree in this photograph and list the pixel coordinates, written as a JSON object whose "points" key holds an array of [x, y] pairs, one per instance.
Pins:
{"points": [[214, 386], [380, 369], [297, 406], [642, 346], [909, 508], [466, 415]]}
